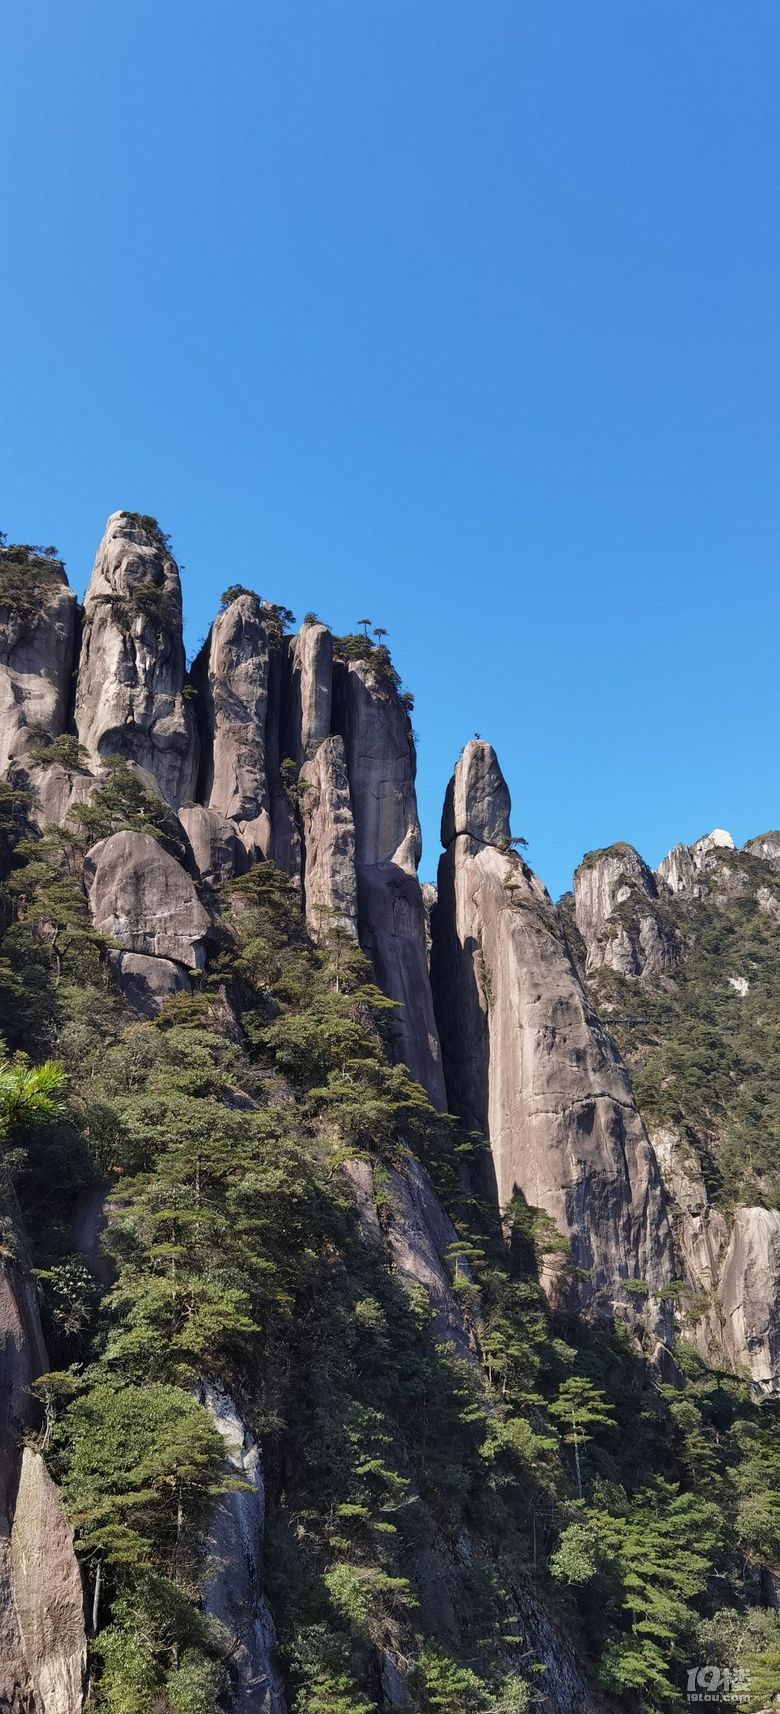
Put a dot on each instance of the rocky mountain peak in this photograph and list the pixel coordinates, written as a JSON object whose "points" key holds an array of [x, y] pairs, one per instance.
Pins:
{"points": [[615, 897], [477, 801]]}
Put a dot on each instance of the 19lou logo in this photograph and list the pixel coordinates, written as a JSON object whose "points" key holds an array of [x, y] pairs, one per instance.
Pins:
{"points": [[717, 1684]]}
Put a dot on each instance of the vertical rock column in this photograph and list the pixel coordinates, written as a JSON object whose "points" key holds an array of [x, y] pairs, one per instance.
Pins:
{"points": [[231, 676], [311, 690], [42, 1639], [36, 658], [381, 768], [526, 1060], [129, 698], [330, 880]]}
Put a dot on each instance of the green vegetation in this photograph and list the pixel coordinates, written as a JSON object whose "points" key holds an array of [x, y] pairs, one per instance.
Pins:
{"points": [[65, 749], [152, 530], [415, 1501], [704, 1058], [27, 574]]}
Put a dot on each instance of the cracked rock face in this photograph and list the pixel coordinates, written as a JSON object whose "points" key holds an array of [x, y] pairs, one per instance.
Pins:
{"points": [[129, 698], [330, 880], [145, 983], [231, 675], [141, 897], [391, 914], [47, 1592], [528, 1063], [311, 694], [36, 659], [766, 846], [417, 1234], [217, 851], [690, 871], [232, 1594], [42, 1640], [615, 898], [750, 1297]]}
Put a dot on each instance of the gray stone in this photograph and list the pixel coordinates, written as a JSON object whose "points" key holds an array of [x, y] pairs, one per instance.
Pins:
{"points": [[232, 1594], [142, 898], [36, 659], [129, 698], [418, 1235], [55, 790], [42, 1640], [767, 847], [311, 689], [217, 851], [750, 1297], [615, 905], [362, 1180], [146, 982], [330, 881], [391, 915], [678, 872], [47, 1593], [231, 675], [529, 1065]]}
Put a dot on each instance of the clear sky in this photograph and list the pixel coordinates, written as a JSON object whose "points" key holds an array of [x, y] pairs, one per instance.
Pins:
{"points": [[462, 315]]}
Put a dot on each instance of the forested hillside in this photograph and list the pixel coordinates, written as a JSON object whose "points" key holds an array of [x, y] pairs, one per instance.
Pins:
{"points": [[336, 1427]]}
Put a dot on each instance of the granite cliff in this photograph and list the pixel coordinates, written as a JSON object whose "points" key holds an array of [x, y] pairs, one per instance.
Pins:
{"points": [[374, 1173]]}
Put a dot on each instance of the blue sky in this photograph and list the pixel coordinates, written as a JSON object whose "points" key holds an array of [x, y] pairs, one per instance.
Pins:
{"points": [[462, 316]]}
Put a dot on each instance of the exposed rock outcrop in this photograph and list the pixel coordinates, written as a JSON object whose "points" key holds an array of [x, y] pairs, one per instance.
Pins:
{"points": [[146, 982], [750, 1297], [217, 852], [55, 790], [47, 1593], [129, 698], [418, 1236], [391, 915], [36, 658], [700, 1230], [231, 675], [330, 879], [686, 868], [140, 896], [232, 1594], [526, 1060], [311, 689], [42, 1639], [767, 847], [678, 872], [616, 910]]}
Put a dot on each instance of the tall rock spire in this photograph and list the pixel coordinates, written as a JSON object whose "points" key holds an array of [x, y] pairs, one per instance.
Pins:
{"points": [[37, 614], [525, 1058], [129, 698], [391, 914], [231, 676]]}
